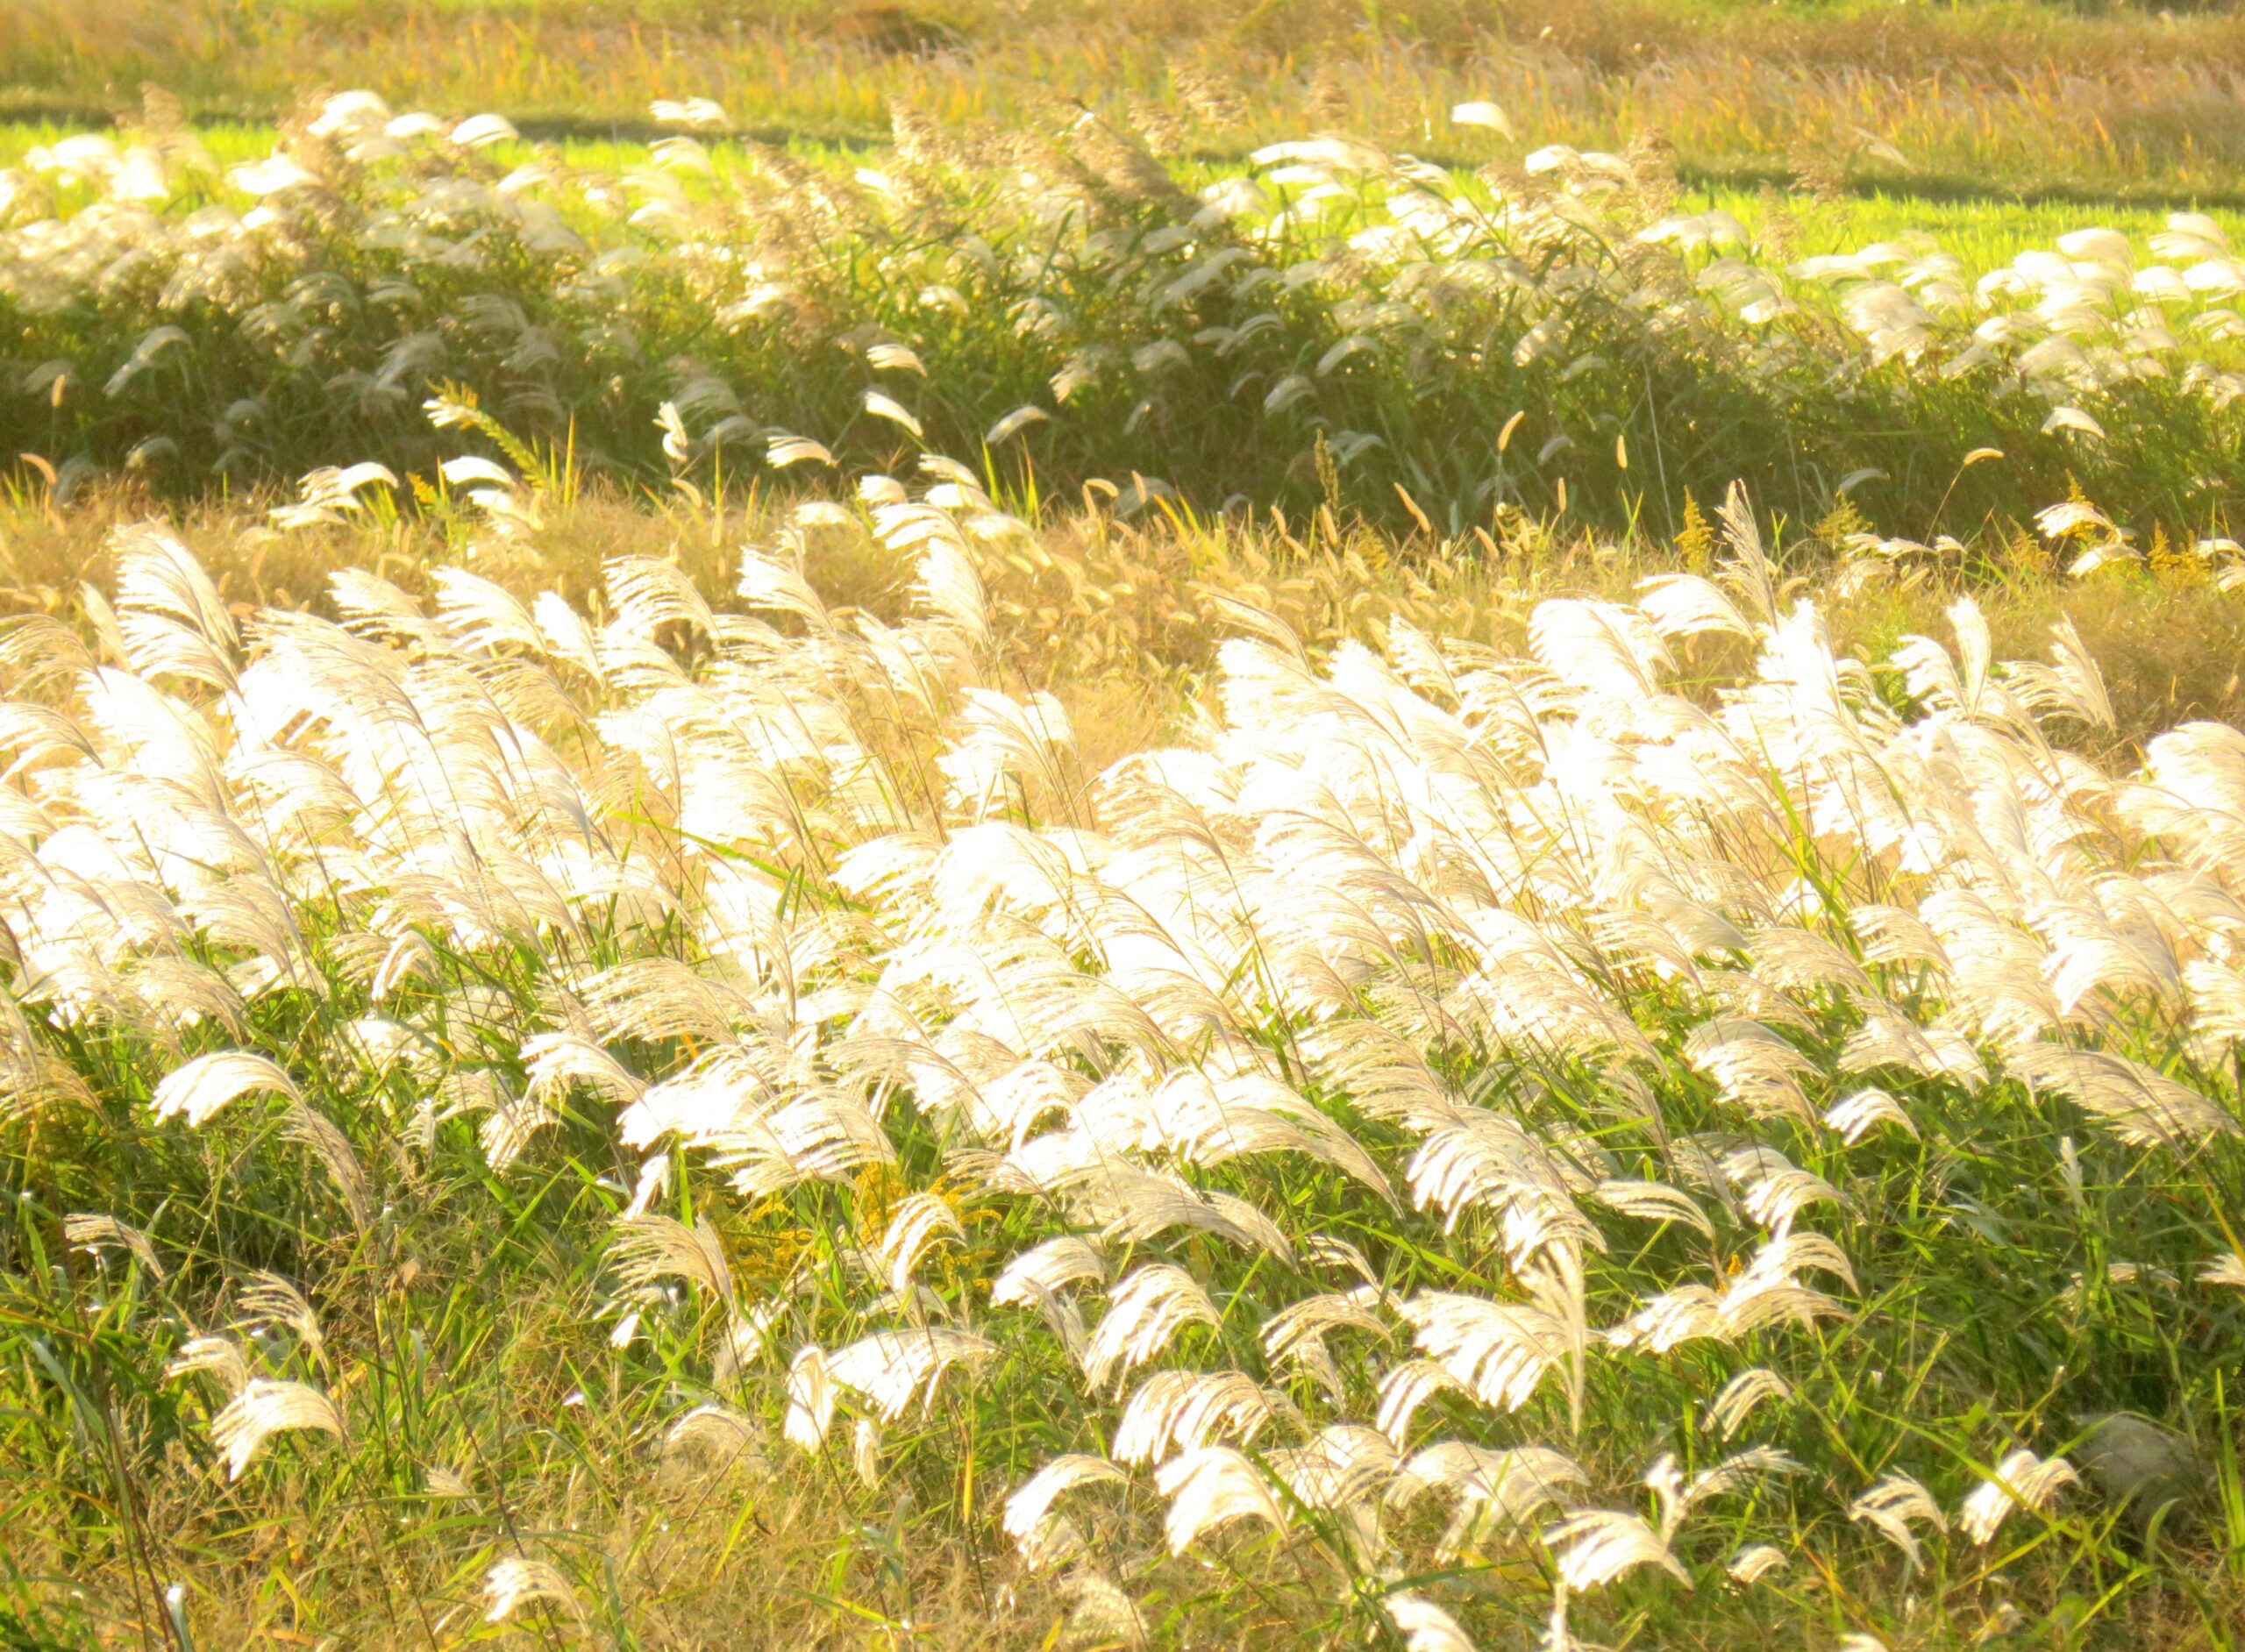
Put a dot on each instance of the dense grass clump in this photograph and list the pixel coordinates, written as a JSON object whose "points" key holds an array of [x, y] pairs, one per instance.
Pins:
{"points": [[1341, 325], [716, 1111]]}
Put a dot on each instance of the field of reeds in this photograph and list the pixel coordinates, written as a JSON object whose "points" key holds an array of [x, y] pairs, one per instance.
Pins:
{"points": [[1354, 858], [874, 1072], [1550, 334]]}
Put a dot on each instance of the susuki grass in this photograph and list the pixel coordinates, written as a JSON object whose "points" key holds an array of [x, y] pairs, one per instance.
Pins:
{"points": [[1344, 325], [733, 1106], [1982, 230], [1328, 993]]}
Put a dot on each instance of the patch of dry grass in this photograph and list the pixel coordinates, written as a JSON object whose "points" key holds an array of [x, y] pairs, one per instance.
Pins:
{"points": [[1116, 617], [2009, 94]]}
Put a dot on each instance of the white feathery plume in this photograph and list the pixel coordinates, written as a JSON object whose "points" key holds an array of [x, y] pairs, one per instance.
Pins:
{"points": [[1383, 1073], [865, 1452], [1653, 1201], [478, 130], [2144, 1109], [1480, 113], [1144, 1313], [171, 618], [1758, 1299], [784, 450], [1781, 1258], [1773, 1189], [262, 1407], [323, 495], [917, 1222], [327, 1144], [509, 1124], [558, 1060], [745, 1339], [949, 590], [2227, 1269], [1686, 605], [648, 593], [1599, 646], [1593, 1546], [1678, 1496], [1406, 1386], [1210, 1487], [1893, 936], [886, 407], [2217, 1001], [1727, 1411], [1497, 1352], [700, 114], [270, 1299], [1132, 1205], [1667, 1321], [647, 1248], [1891, 1505], [1325, 1250], [1885, 1040], [892, 1368], [1102, 1612], [2076, 685], [1294, 1337], [2022, 1479], [810, 1399], [717, 1434], [1494, 1492], [220, 1355], [769, 581], [1345, 1468], [86, 1231], [1755, 1070], [819, 1136], [678, 446], [1051, 1265], [1424, 1625], [484, 617], [518, 1580], [208, 1082], [1208, 1122], [1029, 1509], [1001, 739], [410, 955], [1855, 1115], [895, 358], [1797, 960], [1487, 1160], [1013, 424], [1755, 1562], [1175, 1411], [1748, 569]]}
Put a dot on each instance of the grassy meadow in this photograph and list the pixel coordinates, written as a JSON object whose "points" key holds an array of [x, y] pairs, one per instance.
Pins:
{"points": [[1183, 826], [2002, 95]]}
